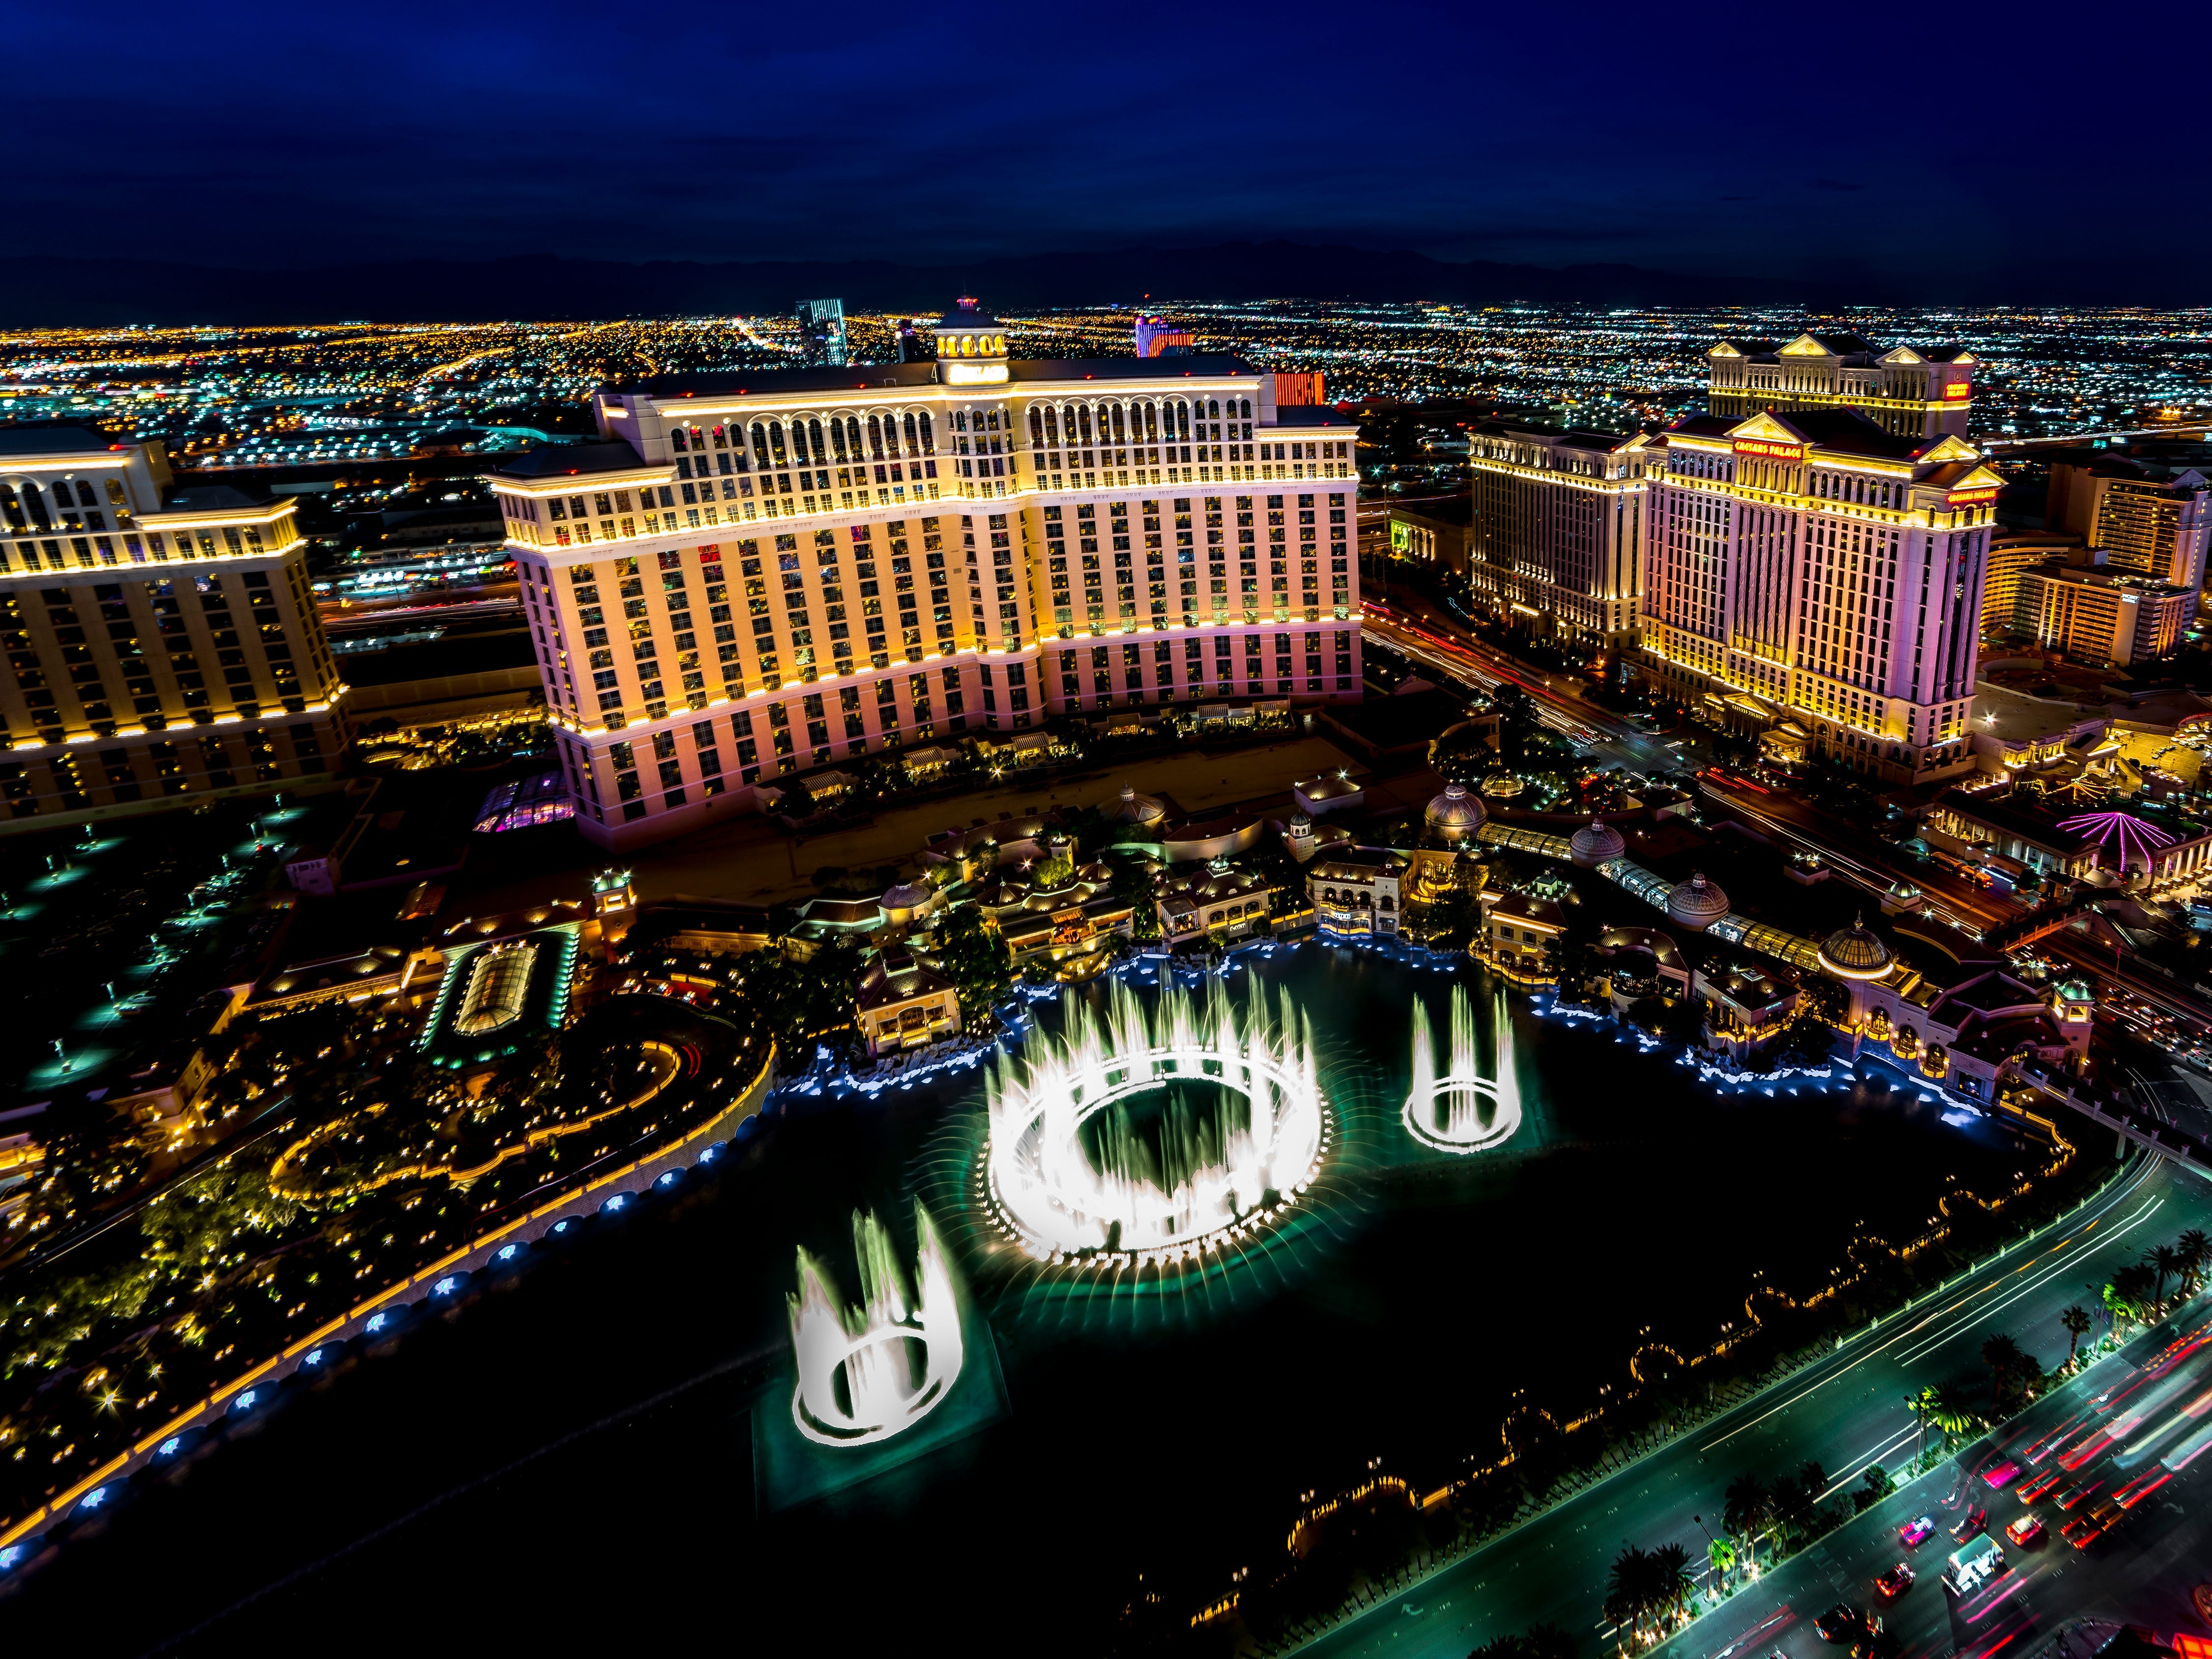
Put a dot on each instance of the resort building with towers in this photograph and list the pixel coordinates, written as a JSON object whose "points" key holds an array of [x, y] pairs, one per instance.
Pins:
{"points": [[163, 647], [755, 573]]}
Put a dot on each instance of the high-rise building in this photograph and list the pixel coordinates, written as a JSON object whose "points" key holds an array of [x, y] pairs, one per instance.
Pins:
{"points": [[2100, 616], [1813, 568], [822, 332], [757, 573], [2012, 554], [1916, 392], [163, 647], [2154, 528], [1559, 527], [1158, 338]]}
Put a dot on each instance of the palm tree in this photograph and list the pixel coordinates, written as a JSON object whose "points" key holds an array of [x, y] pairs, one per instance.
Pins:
{"points": [[2003, 1356], [2128, 1295], [1949, 1411], [1672, 1586], [1628, 1597], [1746, 1506], [2196, 1252], [2166, 1261], [2074, 1322], [1920, 1405]]}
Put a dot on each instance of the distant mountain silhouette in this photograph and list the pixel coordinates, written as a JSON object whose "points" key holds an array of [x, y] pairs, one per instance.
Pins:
{"points": [[43, 291]]}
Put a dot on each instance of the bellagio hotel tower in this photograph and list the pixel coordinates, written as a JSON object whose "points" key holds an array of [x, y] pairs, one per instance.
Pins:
{"points": [[759, 573]]}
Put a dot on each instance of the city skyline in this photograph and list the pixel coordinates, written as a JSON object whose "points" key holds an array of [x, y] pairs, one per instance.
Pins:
{"points": [[1281, 835]]}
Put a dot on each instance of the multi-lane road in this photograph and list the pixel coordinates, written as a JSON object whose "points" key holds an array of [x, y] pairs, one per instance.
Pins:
{"points": [[1445, 653], [1846, 1413], [2121, 1447]]}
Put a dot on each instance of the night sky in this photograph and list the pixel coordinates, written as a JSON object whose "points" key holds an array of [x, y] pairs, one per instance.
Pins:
{"points": [[1906, 146]]}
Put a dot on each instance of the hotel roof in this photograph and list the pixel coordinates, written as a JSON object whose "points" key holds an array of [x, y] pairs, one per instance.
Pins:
{"points": [[40, 440], [555, 460], [865, 377]]}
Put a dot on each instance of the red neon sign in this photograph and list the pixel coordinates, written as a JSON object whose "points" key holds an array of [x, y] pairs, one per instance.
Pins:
{"points": [[1968, 497], [1761, 447], [1957, 389]]}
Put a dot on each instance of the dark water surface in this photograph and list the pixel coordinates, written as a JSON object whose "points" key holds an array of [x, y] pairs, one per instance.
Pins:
{"points": [[567, 1461]]}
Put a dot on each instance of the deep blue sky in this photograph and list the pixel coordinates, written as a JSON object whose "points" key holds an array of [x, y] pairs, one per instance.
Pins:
{"points": [[1896, 142]]}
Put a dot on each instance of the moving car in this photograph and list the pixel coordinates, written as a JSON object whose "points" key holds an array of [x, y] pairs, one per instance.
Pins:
{"points": [[2075, 1493], [1915, 1530], [2025, 1531], [2142, 1487], [1972, 1564], [2000, 1473], [1969, 1523], [1894, 1582], [1846, 1623], [2037, 1487], [2080, 1530]]}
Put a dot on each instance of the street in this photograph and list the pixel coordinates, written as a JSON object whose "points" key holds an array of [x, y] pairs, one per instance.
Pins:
{"points": [[2126, 1432], [1846, 1413]]}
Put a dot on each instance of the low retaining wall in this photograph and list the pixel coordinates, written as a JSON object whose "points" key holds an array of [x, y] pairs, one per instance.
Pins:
{"points": [[612, 1190]]}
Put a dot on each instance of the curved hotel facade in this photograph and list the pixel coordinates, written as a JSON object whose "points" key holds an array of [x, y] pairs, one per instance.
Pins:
{"points": [[757, 573]]}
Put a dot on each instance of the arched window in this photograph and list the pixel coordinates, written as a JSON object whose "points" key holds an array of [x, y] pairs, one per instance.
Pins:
{"points": [[760, 445], [1052, 427], [837, 438], [1082, 411], [814, 430], [1212, 409], [913, 443], [1151, 423], [1120, 432], [1244, 406], [853, 434], [775, 440], [1037, 429], [928, 435], [876, 436], [676, 439]]}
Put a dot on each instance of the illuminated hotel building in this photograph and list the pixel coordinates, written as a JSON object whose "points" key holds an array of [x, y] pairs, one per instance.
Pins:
{"points": [[1812, 567], [1913, 392], [2154, 528], [1560, 526], [761, 572], [163, 645]]}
